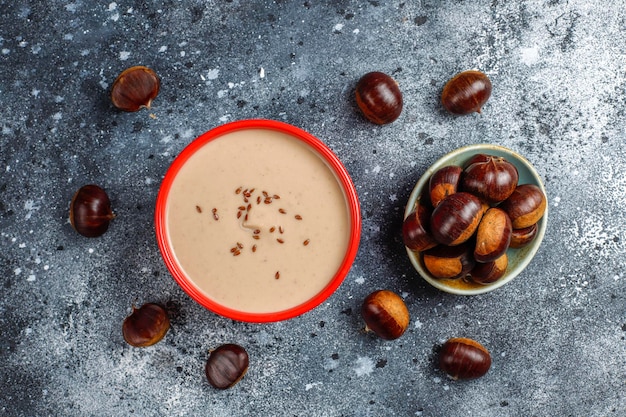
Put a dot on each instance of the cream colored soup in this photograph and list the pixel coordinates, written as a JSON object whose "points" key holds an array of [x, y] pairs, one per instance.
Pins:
{"points": [[258, 221]]}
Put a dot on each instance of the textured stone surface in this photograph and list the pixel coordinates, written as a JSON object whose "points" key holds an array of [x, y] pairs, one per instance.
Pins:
{"points": [[556, 332]]}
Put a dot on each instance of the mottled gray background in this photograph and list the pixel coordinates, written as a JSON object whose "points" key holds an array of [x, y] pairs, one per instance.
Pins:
{"points": [[556, 332]]}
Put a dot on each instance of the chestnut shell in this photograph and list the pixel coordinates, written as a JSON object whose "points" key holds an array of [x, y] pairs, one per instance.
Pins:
{"points": [[464, 358], [146, 325], [90, 211], [226, 365], [456, 218], [385, 314], [415, 229], [491, 178], [135, 88], [379, 97], [467, 92]]}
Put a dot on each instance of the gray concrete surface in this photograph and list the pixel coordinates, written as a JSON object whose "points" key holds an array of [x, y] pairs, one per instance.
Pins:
{"points": [[556, 333]]}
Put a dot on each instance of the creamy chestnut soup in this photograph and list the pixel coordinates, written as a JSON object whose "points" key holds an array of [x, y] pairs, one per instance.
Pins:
{"points": [[258, 221]]}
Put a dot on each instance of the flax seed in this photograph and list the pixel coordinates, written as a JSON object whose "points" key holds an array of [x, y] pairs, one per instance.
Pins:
{"points": [[256, 231], [241, 208], [237, 253], [282, 211], [280, 241], [248, 207], [258, 200], [215, 215], [306, 242], [276, 197], [238, 214], [199, 209], [268, 201], [253, 248], [281, 230], [239, 245], [238, 190], [257, 237], [265, 194], [277, 275], [272, 229], [298, 217]]}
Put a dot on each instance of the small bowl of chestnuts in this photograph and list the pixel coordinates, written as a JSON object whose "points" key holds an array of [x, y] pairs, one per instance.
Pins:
{"points": [[475, 219]]}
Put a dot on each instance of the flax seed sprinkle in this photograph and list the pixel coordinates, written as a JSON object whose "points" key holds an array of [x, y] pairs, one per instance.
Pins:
{"points": [[306, 242], [272, 229], [298, 217], [282, 211], [277, 275], [281, 230], [276, 197], [257, 237], [238, 190], [199, 209], [256, 231], [215, 215], [280, 240], [253, 248], [239, 245]]}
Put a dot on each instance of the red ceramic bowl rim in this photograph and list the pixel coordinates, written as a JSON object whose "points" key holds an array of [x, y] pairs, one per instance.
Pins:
{"points": [[329, 157]]}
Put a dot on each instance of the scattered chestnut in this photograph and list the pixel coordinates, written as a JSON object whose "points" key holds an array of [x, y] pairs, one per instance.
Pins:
{"points": [[491, 178], [90, 211], [466, 92], [525, 206], [443, 182], [449, 262], [385, 314], [522, 237], [379, 97], [493, 235], [146, 325], [464, 358], [226, 365], [415, 233], [487, 273], [135, 88], [456, 218]]}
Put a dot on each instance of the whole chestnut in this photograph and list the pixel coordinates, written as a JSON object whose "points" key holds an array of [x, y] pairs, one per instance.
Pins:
{"points": [[464, 358], [443, 182], [449, 262], [146, 325], [456, 218], [491, 178], [525, 206], [90, 211], [522, 237], [466, 92], [493, 235], [379, 97], [490, 272], [415, 233], [226, 365], [135, 88], [385, 314]]}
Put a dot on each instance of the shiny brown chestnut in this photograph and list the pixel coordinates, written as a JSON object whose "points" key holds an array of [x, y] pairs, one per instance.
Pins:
{"points": [[456, 218], [146, 325], [90, 211], [415, 229], [379, 97], [491, 178], [385, 314], [490, 272], [226, 365], [525, 206], [449, 262], [135, 88], [493, 235], [464, 358], [467, 92], [443, 182], [522, 237]]}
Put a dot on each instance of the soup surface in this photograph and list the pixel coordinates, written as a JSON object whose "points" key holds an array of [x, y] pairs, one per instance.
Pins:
{"points": [[258, 221]]}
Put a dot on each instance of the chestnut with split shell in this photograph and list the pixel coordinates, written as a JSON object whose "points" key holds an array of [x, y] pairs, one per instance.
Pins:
{"points": [[464, 358], [493, 235], [135, 88], [226, 365], [491, 178], [456, 218], [444, 181], [385, 314], [379, 97], [522, 237], [415, 229], [449, 262], [90, 211], [467, 92], [525, 206]]}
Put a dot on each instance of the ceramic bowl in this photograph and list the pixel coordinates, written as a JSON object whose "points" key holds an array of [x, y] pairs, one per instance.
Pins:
{"points": [[518, 258]]}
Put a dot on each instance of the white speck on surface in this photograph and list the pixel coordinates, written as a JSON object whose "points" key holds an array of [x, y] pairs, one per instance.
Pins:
{"points": [[222, 93], [17, 271], [34, 92], [148, 181], [163, 48], [23, 44], [183, 53], [71, 7], [167, 139], [360, 280], [312, 385], [417, 324], [124, 55], [35, 49], [530, 56], [21, 245], [224, 118], [213, 73], [393, 197], [90, 250], [57, 116], [356, 31], [556, 201], [6, 51], [68, 37], [262, 72], [31, 278], [376, 169], [112, 6], [46, 267], [338, 27], [363, 366]]}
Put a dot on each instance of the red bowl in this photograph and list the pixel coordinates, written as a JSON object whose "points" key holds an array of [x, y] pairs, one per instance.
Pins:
{"points": [[177, 271]]}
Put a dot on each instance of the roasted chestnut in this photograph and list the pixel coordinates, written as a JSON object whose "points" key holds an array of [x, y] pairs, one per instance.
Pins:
{"points": [[464, 358], [466, 92], [135, 88], [493, 235], [385, 314], [226, 365], [525, 206], [443, 182], [90, 211], [491, 178], [490, 272], [456, 218], [449, 262], [146, 325], [415, 233], [522, 237], [379, 97]]}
